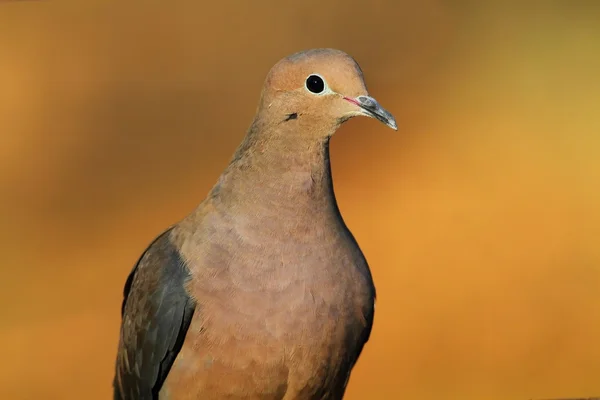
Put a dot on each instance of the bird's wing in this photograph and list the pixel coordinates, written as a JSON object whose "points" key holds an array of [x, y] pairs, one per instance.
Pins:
{"points": [[363, 337], [156, 314], [368, 314], [366, 332]]}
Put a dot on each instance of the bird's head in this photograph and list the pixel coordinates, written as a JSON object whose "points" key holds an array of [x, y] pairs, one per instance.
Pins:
{"points": [[319, 87]]}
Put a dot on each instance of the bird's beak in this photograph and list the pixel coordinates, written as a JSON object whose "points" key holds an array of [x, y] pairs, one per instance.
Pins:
{"points": [[371, 108]]}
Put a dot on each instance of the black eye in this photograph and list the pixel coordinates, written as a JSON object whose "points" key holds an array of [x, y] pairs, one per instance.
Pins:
{"points": [[315, 84]]}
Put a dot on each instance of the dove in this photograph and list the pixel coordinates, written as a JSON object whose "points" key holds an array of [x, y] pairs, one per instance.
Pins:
{"points": [[262, 291]]}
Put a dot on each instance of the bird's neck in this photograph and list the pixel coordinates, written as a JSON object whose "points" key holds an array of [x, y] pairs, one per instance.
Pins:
{"points": [[279, 168]]}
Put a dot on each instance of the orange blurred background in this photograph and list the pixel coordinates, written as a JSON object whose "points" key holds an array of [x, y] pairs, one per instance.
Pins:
{"points": [[480, 217]]}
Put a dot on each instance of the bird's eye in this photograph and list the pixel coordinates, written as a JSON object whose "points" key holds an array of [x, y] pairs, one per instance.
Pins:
{"points": [[315, 84]]}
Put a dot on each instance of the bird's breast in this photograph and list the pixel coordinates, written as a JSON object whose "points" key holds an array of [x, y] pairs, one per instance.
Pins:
{"points": [[275, 310], [283, 289]]}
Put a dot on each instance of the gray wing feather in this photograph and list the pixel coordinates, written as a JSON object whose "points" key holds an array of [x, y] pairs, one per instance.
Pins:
{"points": [[155, 316]]}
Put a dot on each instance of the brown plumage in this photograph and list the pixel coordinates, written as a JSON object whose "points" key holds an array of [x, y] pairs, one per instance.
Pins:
{"points": [[262, 291]]}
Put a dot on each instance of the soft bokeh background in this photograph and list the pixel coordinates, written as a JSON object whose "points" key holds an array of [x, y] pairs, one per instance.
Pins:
{"points": [[480, 217]]}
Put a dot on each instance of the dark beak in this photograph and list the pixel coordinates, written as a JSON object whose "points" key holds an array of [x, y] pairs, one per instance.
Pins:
{"points": [[372, 108]]}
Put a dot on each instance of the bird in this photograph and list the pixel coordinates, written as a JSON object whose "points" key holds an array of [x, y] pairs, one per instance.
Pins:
{"points": [[262, 291]]}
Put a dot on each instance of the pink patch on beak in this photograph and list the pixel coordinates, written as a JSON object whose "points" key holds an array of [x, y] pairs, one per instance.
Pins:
{"points": [[355, 102]]}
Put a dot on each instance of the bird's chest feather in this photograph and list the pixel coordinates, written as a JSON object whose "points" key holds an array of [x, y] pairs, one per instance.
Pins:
{"points": [[287, 315], [291, 292]]}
